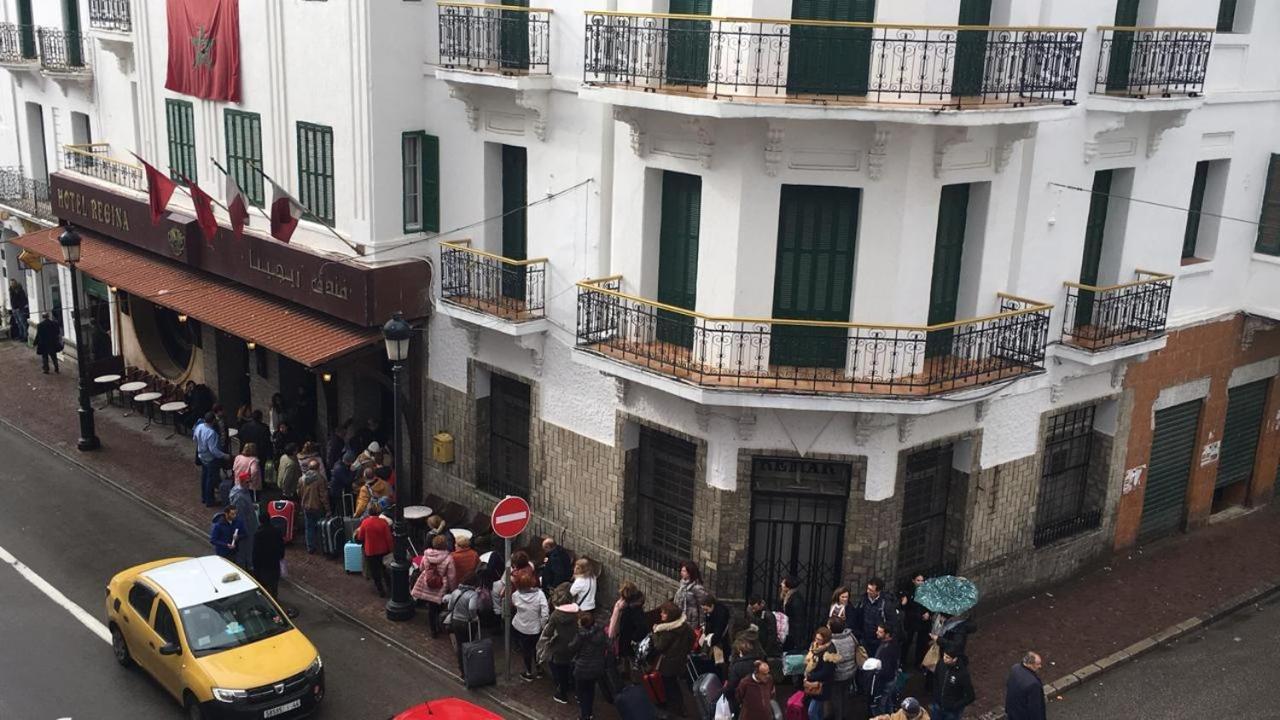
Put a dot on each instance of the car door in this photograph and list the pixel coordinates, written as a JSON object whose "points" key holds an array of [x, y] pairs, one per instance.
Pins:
{"points": [[136, 624], [164, 631]]}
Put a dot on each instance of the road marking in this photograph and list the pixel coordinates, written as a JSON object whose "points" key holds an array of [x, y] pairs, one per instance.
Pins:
{"points": [[509, 517], [95, 626]]}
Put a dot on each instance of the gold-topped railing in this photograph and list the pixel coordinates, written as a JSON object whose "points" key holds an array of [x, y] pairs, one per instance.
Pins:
{"points": [[505, 39], [829, 61], [1145, 62], [805, 356], [94, 160], [1097, 317], [514, 290]]}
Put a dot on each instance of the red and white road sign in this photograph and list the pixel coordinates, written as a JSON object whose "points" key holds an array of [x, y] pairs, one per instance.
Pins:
{"points": [[510, 516]]}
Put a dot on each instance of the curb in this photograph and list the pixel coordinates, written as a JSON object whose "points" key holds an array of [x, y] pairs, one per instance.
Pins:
{"points": [[185, 526], [1147, 644]]}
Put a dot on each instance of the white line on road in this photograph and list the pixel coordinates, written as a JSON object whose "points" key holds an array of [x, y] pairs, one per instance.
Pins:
{"points": [[89, 621]]}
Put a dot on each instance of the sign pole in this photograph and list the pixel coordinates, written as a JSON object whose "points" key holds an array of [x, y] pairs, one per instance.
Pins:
{"points": [[506, 602], [510, 517]]}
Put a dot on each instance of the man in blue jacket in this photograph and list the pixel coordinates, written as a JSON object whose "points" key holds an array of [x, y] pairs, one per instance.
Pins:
{"points": [[210, 456], [226, 533]]}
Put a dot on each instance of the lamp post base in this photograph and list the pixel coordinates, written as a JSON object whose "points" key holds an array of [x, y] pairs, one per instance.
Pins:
{"points": [[88, 438], [400, 607]]}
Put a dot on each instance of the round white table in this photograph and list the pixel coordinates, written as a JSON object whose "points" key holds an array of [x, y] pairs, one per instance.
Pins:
{"points": [[133, 387], [110, 381], [173, 408], [147, 399], [417, 512]]}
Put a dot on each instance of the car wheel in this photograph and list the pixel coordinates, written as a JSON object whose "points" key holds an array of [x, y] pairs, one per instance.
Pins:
{"points": [[192, 707], [120, 648]]}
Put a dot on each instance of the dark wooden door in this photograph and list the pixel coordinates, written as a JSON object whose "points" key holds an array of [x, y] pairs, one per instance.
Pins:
{"points": [[515, 235], [830, 60], [1120, 62], [948, 254], [688, 44], [813, 275], [926, 498], [971, 48], [678, 256], [1094, 234]]}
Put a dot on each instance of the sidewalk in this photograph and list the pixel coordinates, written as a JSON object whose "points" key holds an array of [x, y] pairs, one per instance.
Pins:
{"points": [[1080, 622]]}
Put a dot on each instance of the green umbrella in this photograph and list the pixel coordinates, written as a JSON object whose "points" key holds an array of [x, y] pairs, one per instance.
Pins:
{"points": [[948, 594]]}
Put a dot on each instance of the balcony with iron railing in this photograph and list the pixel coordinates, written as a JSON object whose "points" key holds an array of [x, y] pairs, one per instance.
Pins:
{"points": [[1152, 62], [811, 357], [811, 62], [62, 52], [492, 285], [112, 15], [25, 194], [18, 45], [1098, 318], [95, 160], [497, 39]]}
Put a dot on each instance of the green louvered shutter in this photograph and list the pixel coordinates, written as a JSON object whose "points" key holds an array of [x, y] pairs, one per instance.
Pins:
{"points": [[688, 44], [180, 123], [1173, 446], [830, 60], [813, 274], [1269, 220], [26, 30], [431, 183], [1094, 232], [515, 170], [315, 170], [1226, 16], [971, 48], [1192, 232], [244, 152], [1245, 407], [678, 255], [513, 38], [1122, 41], [948, 254]]}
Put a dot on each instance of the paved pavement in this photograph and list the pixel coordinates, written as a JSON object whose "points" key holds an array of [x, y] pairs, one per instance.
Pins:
{"points": [[1226, 671], [75, 532]]}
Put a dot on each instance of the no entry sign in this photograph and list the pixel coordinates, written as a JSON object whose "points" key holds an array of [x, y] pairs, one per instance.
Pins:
{"points": [[510, 517]]}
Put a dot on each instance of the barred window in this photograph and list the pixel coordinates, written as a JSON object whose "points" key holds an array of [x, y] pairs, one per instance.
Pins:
{"points": [[660, 534], [315, 170], [1063, 508], [180, 121], [509, 410]]}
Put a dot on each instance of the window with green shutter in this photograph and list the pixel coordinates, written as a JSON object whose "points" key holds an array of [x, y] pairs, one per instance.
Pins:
{"points": [[420, 166], [244, 152], [678, 255], [315, 170], [1226, 16], [1269, 220], [1192, 231], [180, 120]]}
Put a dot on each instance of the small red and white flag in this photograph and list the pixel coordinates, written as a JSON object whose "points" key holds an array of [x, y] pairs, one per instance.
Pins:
{"points": [[205, 218], [160, 189], [285, 212], [237, 207]]}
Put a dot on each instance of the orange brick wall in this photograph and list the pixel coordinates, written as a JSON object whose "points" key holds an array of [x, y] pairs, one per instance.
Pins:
{"points": [[1210, 350]]}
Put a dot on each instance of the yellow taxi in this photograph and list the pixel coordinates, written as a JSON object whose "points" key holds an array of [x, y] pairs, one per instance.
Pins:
{"points": [[214, 639]]}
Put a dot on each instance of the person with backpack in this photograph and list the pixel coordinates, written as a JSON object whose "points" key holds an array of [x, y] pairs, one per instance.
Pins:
{"points": [[672, 641], [953, 691], [373, 489], [742, 663], [583, 587], [437, 579], [628, 624], [846, 646], [531, 615], [589, 658], [766, 624], [555, 643], [462, 617], [791, 605], [375, 534], [690, 594]]}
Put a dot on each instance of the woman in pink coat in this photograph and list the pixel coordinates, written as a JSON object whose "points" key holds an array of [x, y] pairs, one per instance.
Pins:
{"points": [[439, 577], [247, 463]]}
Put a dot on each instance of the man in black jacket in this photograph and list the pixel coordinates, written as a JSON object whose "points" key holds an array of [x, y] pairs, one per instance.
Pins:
{"points": [[255, 431], [1023, 691], [759, 614], [953, 691], [557, 566], [48, 342], [874, 609]]}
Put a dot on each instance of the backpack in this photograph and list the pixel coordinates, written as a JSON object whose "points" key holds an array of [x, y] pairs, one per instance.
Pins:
{"points": [[460, 613], [783, 624], [435, 580]]}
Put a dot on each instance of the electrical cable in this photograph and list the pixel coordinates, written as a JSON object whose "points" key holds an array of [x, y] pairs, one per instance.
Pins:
{"points": [[1168, 206]]}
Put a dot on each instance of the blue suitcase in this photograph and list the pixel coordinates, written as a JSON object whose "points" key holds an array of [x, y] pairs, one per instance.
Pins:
{"points": [[632, 703], [353, 557]]}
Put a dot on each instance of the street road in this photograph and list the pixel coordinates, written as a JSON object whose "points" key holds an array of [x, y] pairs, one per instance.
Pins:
{"points": [[1226, 671], [75, 532]]}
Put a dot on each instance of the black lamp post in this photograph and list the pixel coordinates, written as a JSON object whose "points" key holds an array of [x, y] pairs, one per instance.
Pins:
{"points": [[70, 242], [396, 333]]}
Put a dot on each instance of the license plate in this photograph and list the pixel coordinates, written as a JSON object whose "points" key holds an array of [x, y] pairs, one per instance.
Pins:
{"points": [[282, 709]]}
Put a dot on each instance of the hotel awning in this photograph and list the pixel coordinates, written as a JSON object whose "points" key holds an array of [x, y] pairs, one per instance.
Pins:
{"points": [[305, 335]]}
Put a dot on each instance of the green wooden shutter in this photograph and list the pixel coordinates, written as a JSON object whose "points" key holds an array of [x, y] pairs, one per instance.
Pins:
{"points": [[26, 30], [1245, 407], [688, 44], [315, 170], [813, 274], [1192, 231], [678, 255], [971, 48], [1094, 232], [948, 254], [180, 123], [1173, 446], [244, 152], [71, 24], [1269, 220], [1121, 56], [411, 175], [515, 172], [513, 38], [830, 60], [1226, 16], [431, 183]]}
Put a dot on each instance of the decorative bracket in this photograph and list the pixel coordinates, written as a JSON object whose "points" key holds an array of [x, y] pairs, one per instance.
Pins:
{"points": [[631, 118], [943, 139], [473, 341], [746, 424], [861, 429], [980, 409], [1007, 137], [1117, 374], [1055, 393], [537, 102], [701, 128], [620, 387], [703, 414], [879, 150], [536, 344], [906, 424], [773, 148], [1111, 123], [1161, 123], [468, 98]]}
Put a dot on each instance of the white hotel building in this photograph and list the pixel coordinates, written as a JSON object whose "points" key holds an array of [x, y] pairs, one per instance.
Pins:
{"points": [[974, 286]]}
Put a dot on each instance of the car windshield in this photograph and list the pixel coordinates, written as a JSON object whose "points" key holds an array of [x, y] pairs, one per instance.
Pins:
{"points": [[231, 622]]}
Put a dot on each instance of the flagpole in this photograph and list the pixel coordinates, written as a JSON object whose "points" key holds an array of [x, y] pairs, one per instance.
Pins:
{"points": [[224, 172], [355, 247]]}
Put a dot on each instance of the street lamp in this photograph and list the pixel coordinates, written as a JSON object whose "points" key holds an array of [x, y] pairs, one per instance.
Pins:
{"points": [[397, 333], [70, 242]]}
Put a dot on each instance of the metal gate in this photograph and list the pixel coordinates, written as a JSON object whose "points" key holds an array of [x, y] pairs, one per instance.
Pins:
{"points": [[797, 528], [508, 472], [1245, 406], [926, 495], [1173, 448]]}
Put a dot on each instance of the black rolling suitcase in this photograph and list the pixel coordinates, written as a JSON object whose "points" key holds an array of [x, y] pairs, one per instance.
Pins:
{"points": [[633, 703], [332, 536], [477, 663]]}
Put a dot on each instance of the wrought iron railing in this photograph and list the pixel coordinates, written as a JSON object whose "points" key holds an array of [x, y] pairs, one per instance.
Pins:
{"points": [[61, 51], [650, 556], [799, 356], [495, 38], [17, 43], [513, 290], [95, 160], [1153, 61], [111, 15], [24, 193], [1056, 531], [824, 61], [1096, 318]]}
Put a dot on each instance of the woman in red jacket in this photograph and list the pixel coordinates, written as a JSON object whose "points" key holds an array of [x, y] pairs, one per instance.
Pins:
{"points": [[375, 533]]}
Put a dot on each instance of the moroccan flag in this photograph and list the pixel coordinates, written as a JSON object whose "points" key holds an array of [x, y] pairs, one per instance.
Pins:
{"points": [[159, 189], [204, 48], [204, 212], [285, 211], [237, 207]]}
